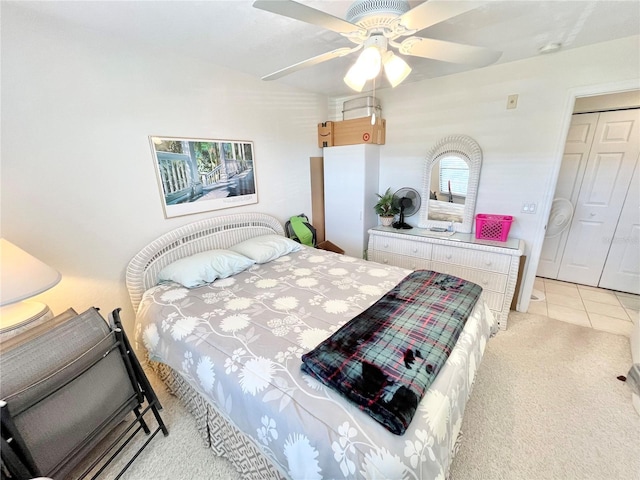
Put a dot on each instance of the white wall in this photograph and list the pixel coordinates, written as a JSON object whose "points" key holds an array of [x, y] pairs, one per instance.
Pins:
{"points": [[78, 180], [78, 183], [522, 148]]}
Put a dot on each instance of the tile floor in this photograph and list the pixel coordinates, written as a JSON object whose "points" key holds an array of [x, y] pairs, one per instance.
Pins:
{"points": [[592, 307]]}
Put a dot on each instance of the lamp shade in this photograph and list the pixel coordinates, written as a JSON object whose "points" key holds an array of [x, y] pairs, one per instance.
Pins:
{"points": [[368, 66], [354, 79], [369, 62], [22, 275], [396, 69]]}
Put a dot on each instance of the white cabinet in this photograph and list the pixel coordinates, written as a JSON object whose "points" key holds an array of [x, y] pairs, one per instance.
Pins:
{"points": [[350, 187], [492, 265]]}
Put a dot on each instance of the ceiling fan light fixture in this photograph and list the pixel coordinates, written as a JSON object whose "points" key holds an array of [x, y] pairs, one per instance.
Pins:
{"points": [[354, 78], [375, 25], [369, 62], [366, 68], [396, 69]]}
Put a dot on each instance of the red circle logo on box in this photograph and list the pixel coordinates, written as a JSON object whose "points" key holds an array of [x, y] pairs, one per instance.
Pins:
{"points": [[366, 137]]}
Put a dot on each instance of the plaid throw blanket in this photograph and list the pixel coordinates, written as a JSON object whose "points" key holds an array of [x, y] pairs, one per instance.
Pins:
{"points": [[386, 358]]}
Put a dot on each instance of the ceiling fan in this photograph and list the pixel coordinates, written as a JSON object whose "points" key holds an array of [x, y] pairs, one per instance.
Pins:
{"points": [[376, 25]]}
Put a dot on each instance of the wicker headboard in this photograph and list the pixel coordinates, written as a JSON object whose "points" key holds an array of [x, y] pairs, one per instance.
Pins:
{"points": [[213, 233]]}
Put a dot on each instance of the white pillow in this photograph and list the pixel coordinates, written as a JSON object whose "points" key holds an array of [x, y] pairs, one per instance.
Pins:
{"points": [[265, 248], [204, 267]]}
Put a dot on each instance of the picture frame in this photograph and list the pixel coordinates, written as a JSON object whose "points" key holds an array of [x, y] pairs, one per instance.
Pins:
{"points": [[198, 175]]}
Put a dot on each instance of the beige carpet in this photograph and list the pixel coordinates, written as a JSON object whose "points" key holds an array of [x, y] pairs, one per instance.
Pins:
{"points": [[546, 405]]}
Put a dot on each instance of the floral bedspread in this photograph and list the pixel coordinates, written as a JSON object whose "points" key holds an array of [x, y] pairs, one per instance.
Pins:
{"points": [[239, 342]]}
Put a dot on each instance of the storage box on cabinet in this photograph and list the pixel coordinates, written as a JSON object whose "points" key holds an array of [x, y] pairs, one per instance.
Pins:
{"points": [[361, 112], [352, 132], [361, 107], [325, 134], [359, 130]]}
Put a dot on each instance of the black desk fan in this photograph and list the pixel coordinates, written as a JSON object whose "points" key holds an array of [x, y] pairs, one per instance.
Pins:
{"points": [[408, 202]]}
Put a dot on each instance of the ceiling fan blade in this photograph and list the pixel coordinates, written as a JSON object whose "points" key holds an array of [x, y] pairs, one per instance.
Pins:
{"points": [[338, 52], [298, 11], [432, 12], [449, 51]]}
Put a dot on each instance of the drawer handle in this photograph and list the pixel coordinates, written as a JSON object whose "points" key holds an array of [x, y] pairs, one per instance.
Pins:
{"points": [[385, 261], [448, 256], [485, 281], [386, 245], [488, 263], [414, 267], [415, 250]]}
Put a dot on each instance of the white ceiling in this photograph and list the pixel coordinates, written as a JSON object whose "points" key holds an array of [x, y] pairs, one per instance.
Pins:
{"points": [[236, 35]]}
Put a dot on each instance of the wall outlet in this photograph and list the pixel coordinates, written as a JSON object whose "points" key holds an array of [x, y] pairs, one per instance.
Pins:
{"points": [[512, 101]]}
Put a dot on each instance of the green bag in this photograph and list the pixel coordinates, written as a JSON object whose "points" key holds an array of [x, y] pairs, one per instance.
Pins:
{"points": [[299, 229]]}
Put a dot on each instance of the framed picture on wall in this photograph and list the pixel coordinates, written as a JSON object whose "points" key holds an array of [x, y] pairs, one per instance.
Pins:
{"points": [[198, 175]]}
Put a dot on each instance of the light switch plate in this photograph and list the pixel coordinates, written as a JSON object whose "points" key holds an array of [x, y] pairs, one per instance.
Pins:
{"points": [[529, 207]]}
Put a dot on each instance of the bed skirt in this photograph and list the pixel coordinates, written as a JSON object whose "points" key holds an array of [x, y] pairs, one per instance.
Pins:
{"points": [[218, 434], [221, 436]]}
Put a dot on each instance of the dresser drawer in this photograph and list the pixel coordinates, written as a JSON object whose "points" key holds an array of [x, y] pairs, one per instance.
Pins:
{"points": [[494, 262], [412, 263], [494, 301], [402, 247], [495, 282]]}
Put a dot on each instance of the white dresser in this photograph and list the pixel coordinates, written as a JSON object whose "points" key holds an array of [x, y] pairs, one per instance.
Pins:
{"points": [[492, 265]]}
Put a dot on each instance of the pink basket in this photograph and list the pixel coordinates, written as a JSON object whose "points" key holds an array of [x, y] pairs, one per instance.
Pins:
{"points": [[493, 227]]}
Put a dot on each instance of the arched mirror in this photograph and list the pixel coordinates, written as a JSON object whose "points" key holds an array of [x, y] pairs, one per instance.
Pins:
{"points": [[450, 184]]}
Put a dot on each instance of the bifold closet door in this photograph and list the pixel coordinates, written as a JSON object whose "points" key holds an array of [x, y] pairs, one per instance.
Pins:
{"points": [[622, 268], [607, 178], [574, 161]]}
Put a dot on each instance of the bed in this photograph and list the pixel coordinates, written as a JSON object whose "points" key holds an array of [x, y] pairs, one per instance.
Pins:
{"points": [[231, 351]]}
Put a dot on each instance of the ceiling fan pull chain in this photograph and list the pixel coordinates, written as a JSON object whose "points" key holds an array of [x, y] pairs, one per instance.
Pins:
{"points": [[373, 115]]}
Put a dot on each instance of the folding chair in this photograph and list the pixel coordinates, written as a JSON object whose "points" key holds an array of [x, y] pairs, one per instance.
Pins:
{"points": [[65, 385]]}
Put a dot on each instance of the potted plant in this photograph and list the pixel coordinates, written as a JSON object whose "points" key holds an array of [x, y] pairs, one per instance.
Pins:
{"points": [[386, 208]]}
